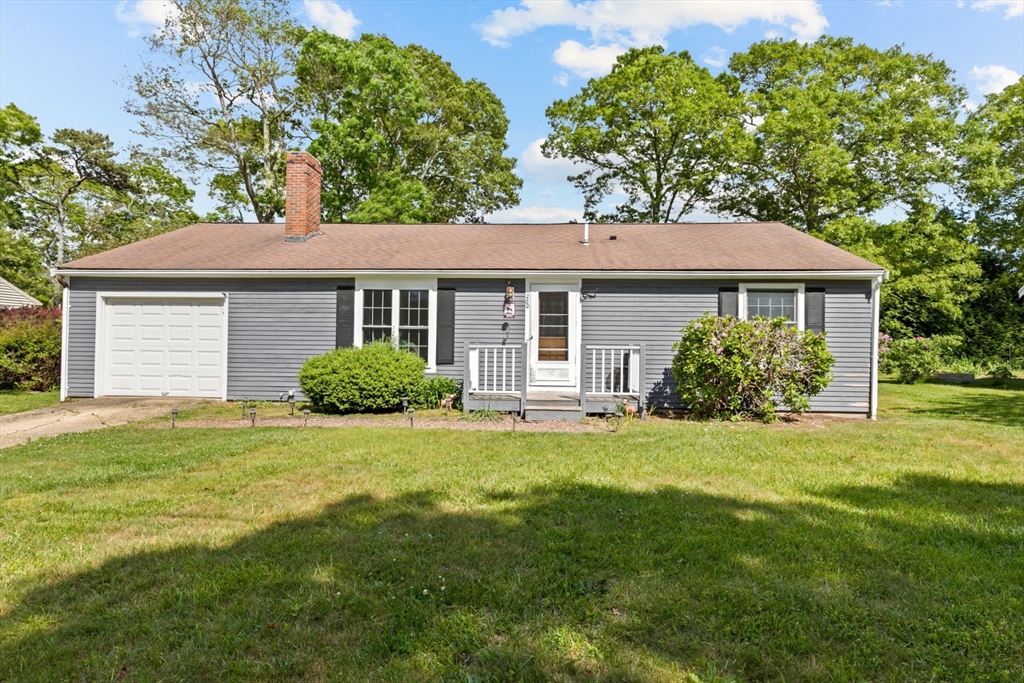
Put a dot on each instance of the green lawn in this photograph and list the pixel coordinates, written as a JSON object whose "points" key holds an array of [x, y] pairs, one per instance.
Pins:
{"points": [[20, 401], [831, 551]]}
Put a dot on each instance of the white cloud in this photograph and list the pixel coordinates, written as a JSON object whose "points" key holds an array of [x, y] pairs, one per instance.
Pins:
{"points": [[537, 214], [646, 22], [561, 78], [536, 166], [993, 78], [332, 18], [586, 62], [1014, 8], [147, 16], [716, 56]]}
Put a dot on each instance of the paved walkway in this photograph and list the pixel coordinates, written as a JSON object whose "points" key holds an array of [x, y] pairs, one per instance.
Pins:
{"points": [[82, 415]]}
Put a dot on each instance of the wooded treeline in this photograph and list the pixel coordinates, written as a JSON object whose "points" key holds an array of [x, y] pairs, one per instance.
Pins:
{"points": [[872, 150]]}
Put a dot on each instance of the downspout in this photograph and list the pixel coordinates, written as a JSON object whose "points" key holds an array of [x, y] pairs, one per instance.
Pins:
{"points": [[876, 286], [65, 298]]}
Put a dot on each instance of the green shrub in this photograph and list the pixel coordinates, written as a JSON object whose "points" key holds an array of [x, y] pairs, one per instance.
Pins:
{"points": [[433, 390], [30, 340], [1000, 372], [915, 360], [373, 378], [731, 368]]}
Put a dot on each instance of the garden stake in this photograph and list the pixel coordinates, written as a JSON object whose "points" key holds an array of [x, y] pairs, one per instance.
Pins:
{"points": [[252, 416], [513, 422], [305, 417]]}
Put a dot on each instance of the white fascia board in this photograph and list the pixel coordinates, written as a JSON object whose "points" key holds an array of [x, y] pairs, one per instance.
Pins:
{"points": [[592, 274]]}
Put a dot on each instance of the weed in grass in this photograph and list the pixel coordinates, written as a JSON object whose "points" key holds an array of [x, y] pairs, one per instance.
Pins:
{"points": [[484, 415]]}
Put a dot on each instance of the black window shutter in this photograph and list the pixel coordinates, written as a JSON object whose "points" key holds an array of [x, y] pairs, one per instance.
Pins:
{"points": [[814, 309], [445, 326], [728, 301], [345, 323]]}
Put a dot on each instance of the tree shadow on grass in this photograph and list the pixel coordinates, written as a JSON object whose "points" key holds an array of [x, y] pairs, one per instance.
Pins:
{"points": [[1000, 404], [917, 581]]}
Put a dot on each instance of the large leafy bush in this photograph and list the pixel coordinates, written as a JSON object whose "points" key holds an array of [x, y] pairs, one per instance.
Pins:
{"points": [[915, 359], [30, 341], [731, 368], [373, 378]]}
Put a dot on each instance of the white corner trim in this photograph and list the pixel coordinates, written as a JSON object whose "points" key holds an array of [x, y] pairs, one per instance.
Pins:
{"points": [[798, 287], [876, 288], [64, 313]]}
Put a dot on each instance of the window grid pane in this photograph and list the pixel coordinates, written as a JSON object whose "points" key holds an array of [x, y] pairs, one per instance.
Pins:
{"points": [[376, 315], [414, 321], [553, 323], [772, 304]]}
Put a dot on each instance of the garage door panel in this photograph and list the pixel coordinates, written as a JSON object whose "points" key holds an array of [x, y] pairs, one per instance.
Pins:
{"points": [[181, 333], [208, 359], [209, 333], [156, 347]]}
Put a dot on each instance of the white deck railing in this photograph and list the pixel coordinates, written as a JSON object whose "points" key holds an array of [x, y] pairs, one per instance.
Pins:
{"points": [[495, 368], [612, 369]]}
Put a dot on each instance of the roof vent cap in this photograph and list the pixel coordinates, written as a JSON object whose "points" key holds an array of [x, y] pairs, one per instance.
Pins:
{"points": [[613, 237]]}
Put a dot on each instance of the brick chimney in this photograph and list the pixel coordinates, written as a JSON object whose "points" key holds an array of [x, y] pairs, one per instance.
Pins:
{"points": [[302, 197]]}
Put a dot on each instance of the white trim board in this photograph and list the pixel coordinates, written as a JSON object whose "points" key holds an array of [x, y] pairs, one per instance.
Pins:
{"points": [[501, 274]]}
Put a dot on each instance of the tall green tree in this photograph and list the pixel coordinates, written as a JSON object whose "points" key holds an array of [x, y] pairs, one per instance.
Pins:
{"points": [[21, 266], [992, 175], [933, 268], [50, 180], [658, 128], [840, 130], [217, 97], [401, 137]]}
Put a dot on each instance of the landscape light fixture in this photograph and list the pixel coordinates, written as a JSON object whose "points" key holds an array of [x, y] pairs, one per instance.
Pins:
{"points": [[305, 416], [252, 416], [174, 416], [405, 404], [291, 402], [245, 406], [412, 411]]}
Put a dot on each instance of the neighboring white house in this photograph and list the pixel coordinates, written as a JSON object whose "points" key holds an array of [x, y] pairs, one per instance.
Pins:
{"points": [[12, 297]]}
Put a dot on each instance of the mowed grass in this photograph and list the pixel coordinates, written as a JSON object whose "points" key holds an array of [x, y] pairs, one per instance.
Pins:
{"points": [[20, 401], [823, 551]]}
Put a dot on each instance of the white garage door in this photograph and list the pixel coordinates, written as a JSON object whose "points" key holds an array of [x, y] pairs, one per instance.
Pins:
{"points": [[164, 347]]}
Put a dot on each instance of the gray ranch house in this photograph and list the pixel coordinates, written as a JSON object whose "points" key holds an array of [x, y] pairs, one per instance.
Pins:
{"points": [[547, 320]]}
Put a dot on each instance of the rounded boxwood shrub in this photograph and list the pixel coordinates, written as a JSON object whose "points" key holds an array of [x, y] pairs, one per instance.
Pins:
{"points": [[731, 368], [373, 378]]}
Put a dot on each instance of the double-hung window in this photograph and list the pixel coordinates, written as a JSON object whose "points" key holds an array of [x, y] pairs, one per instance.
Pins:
{"points": [[402, 315], [414, 321], [773, 301]]}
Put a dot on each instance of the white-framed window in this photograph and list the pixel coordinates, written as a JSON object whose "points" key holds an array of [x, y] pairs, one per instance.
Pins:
{"points": [[773, 300], [404, 311]]}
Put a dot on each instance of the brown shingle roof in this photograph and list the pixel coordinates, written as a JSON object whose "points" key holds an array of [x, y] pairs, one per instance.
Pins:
{"points": [[526, 247]]}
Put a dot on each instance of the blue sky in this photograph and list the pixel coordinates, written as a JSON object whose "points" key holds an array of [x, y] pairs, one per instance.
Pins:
{"points": [[63, 61]]}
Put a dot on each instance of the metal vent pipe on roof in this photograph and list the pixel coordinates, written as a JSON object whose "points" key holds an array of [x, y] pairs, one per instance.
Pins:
{"points": [[586, 233]]}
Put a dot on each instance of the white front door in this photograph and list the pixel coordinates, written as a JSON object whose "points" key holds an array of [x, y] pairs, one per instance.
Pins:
{"points": [[554, 335], [163, 347]]}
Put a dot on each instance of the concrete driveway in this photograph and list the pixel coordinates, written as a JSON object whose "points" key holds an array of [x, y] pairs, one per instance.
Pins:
{"points": [[83, 415]]}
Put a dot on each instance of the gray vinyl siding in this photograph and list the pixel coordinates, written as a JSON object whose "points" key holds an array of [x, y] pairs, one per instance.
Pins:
{"points": [[478, 308], [654, 313], [274, 325], [647, 312]]}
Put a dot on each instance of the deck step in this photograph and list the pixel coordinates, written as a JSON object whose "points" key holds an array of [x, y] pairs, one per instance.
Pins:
{"points": [[543, 413]]}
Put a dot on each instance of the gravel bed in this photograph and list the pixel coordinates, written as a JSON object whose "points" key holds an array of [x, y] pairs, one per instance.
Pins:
{"points": [[504, 425]]}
